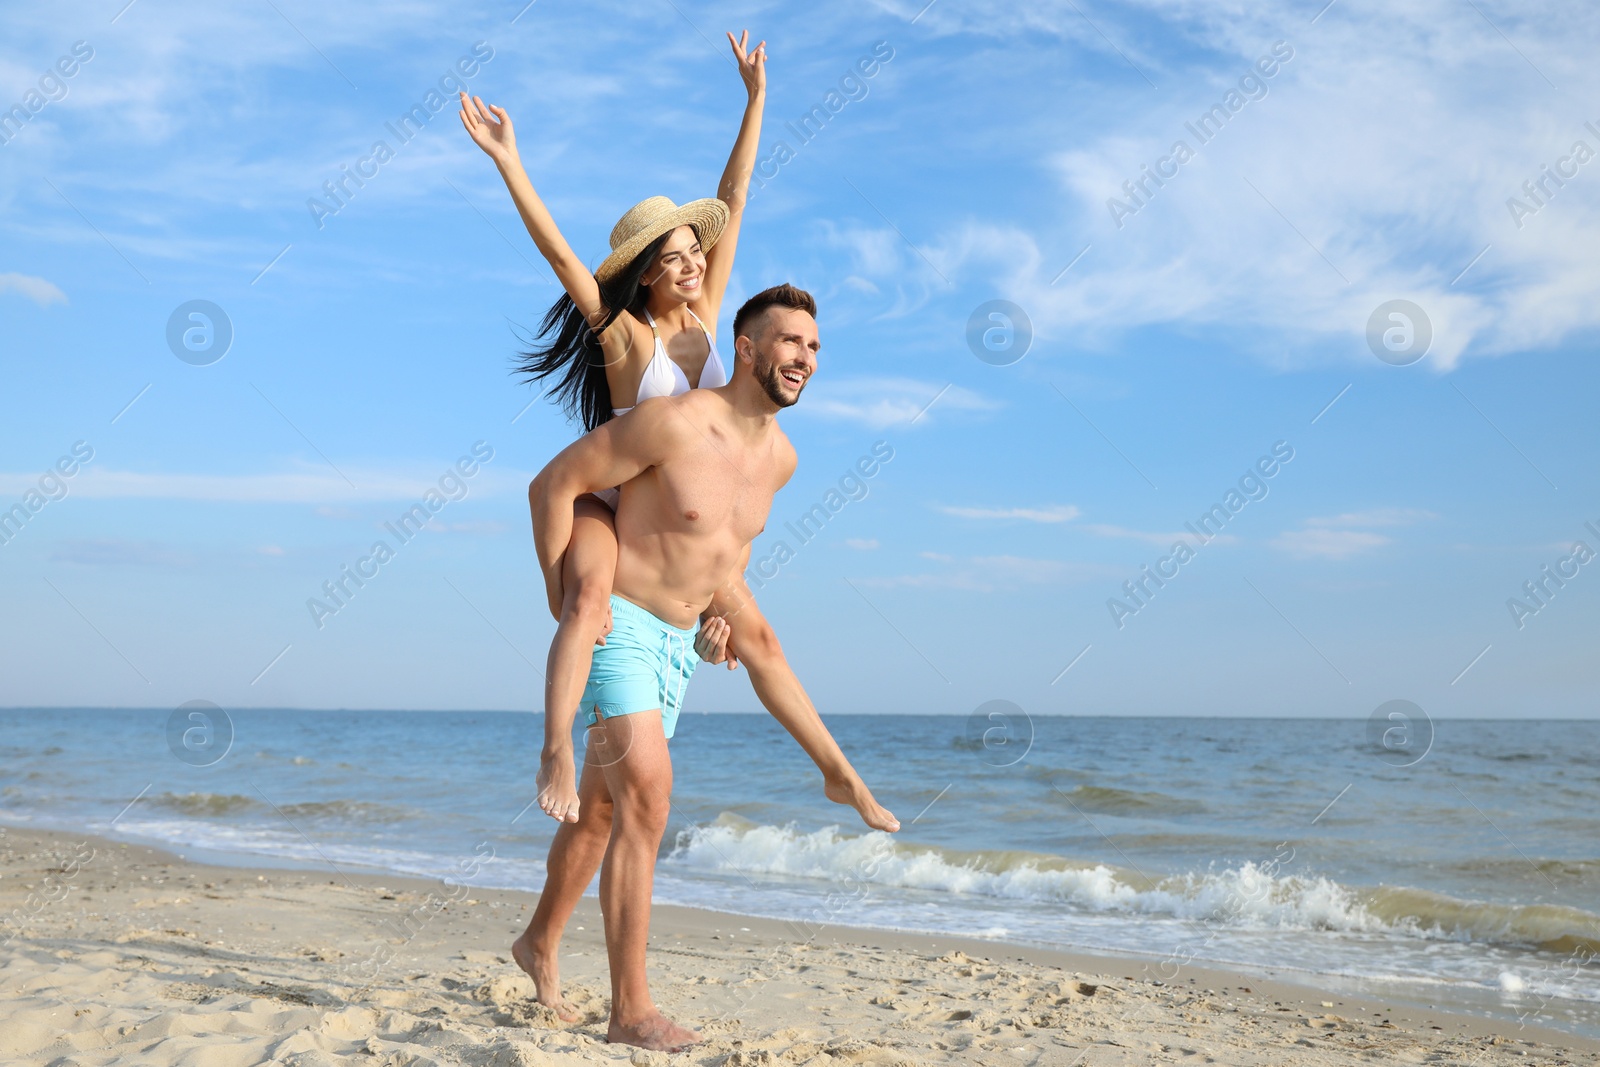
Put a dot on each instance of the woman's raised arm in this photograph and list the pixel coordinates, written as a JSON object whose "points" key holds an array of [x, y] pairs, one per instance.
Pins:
{"points": [[734, 188], [490, 128]]}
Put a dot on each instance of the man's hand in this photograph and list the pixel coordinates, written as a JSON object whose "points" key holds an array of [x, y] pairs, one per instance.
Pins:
{"points": [[711, 644], [752, 65], [490, 132]]}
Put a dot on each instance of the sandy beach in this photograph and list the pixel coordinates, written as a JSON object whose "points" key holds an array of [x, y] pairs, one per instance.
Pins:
{"points": [[118, 953]]}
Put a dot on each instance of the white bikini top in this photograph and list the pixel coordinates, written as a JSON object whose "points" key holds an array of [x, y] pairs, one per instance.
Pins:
{"points": [[663, 376]]}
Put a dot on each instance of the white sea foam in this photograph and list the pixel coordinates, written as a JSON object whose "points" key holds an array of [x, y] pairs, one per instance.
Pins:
{"points": [[1249, 896]]}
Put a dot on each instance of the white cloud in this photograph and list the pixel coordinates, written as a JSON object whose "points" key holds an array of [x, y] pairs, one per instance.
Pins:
{"points": [[1319, 201], [1374, 517], [987, 573], [488, 528], [305, 486], [1155, 539], [1321, 543], [38, 290], [1054, 513], [1342, 536], [861, 544], [883, 402], [117, 552]]}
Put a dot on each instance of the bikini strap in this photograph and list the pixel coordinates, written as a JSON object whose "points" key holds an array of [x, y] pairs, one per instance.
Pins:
{"points": [[698, 320], [651, 319]]}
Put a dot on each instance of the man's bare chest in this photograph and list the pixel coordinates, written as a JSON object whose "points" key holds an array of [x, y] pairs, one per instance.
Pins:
{"points": [[716, 491]]}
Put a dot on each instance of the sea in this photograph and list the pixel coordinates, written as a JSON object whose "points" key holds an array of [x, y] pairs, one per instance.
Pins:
{"points": [[1463, 872]]}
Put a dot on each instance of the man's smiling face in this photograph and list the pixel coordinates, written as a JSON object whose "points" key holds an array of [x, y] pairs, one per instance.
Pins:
{"points": [[785, 355]]}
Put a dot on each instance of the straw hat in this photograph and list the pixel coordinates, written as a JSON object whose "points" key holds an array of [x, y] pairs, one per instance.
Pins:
{"points": [[654, 216]]}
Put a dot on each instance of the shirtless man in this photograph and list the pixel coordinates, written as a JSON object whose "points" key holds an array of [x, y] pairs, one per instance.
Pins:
{"points": [[697, 473]]}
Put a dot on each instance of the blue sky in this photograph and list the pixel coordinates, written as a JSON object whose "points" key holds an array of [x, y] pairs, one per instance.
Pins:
{"points": [[1175, 340]]}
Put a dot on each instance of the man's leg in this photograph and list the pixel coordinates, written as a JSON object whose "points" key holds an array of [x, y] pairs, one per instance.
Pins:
{"points": [[639, 780], [575, 855]]}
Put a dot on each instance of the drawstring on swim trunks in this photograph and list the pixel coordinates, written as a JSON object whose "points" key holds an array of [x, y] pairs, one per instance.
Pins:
{"points": [[680, 666]]}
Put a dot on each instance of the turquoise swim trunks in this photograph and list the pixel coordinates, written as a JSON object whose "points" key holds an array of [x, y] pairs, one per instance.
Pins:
{"points": [[644, 665]]}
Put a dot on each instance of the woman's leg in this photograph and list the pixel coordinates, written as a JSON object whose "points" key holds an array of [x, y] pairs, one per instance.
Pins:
{"points": [[591, 564], [575, 854]]}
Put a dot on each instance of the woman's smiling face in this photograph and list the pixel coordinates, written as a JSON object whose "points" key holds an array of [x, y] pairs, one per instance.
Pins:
{"points": [[679, 267]]}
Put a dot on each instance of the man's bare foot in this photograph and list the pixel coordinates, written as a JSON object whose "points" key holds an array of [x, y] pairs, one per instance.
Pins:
{"points": [[558, 786], [655, 1031], [546, 982], [854, 792]]}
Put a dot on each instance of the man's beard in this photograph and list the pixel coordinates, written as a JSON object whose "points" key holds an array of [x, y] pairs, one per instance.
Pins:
{"points": [[773, 383]]}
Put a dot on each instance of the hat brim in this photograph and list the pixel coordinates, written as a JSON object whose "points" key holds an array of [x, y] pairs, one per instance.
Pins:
{"points": [[708, 216]]}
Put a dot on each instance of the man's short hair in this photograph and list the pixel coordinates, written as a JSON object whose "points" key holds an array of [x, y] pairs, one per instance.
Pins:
{"points": [[784, 295]]}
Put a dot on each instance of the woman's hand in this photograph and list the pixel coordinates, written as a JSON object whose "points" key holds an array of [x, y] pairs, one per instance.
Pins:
{"points": [[490, 132], [711, 643], [752, 65]]}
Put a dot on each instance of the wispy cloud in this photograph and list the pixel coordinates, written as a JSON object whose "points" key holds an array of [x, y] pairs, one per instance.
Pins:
{"points": [[116, 552], [1307, 210], [38, 290], [1150, 537], [1055, 513], [880, 403], [1319, 543], [989, 573], [1337, 537], [306, 486], [1374, 517]]}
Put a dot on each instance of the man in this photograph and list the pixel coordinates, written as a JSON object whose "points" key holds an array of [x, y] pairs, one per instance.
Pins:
{"points": [[697, 472]]}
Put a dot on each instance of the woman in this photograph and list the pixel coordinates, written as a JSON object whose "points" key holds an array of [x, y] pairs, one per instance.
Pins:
{"points": [[640, 326]]}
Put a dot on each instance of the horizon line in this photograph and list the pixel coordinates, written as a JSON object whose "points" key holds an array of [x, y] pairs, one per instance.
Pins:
{"points": [[162, 709]]}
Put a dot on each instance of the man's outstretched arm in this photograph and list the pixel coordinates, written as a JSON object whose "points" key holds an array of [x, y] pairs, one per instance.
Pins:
{"points": [[606, 456], [780, 692]]}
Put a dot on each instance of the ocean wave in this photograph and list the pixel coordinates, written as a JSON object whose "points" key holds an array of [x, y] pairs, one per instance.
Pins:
{"points": [[1572, 871], [1105, 800], [1549, 927], [356, 811], [1248, 896], [283, 843], [225, 805], [205, 805]]}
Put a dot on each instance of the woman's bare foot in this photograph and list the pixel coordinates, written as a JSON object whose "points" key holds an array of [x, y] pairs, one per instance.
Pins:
{"points": [[546, 982], [558, 785], [854, 792], [654, 1031]]}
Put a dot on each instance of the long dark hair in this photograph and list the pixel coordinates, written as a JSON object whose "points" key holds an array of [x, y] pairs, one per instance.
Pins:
{"points": [[566, 351]]}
